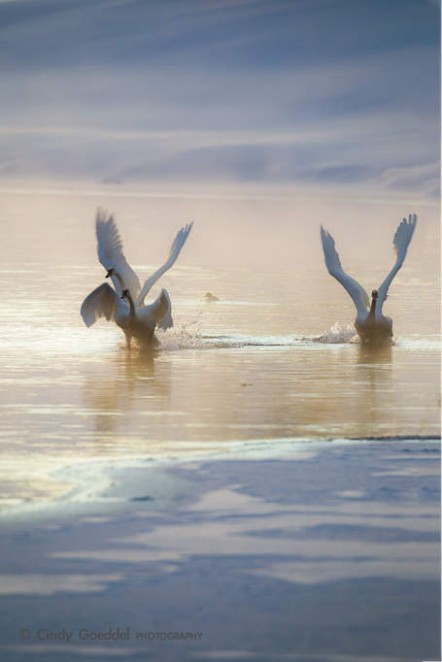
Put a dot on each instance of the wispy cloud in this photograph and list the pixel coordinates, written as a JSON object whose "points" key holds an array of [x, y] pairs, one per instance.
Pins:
{"points": [[241, 91]]}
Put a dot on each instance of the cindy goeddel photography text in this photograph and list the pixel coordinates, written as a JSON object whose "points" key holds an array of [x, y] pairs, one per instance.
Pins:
{"points": [[66, 635]]}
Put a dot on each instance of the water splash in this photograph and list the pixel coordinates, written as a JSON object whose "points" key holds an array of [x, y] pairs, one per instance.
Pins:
{"points": [[339, 333], [188, 338]]}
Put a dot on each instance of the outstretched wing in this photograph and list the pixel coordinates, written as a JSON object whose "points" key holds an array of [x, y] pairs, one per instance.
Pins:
{"points": [[333, 263], [175, 250], [161, 310], [110, 253], [401, 242], [101, 302]]}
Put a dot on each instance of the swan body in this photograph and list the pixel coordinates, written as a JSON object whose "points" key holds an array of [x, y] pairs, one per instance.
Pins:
{"points": [[124, 302], [141, 321], [371, 325]]}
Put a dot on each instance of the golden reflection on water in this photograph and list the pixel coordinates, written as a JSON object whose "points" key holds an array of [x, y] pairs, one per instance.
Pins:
{"points": [[72, 395], [246, 367]]}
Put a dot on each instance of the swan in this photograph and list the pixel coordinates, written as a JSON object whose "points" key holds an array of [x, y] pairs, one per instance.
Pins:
{"points": [[143, 320], [135, 322], [124, 302], [371, 325]]}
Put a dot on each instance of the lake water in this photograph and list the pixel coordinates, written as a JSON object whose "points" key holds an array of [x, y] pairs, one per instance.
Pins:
{"points": [[261, 486], [270, 361]]}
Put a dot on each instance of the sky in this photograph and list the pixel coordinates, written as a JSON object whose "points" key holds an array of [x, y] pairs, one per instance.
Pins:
{"points": [[316, 96]]}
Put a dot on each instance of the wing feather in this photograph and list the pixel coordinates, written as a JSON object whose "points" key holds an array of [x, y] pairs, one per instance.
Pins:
{"points": [[110, 253], [161, 310], [401, 241], [333, 263], [101, 302], [175, 250]]}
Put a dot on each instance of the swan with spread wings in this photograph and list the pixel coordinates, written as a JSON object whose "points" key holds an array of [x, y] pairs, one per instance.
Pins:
{"points": [[372, 326], [124, 302]]}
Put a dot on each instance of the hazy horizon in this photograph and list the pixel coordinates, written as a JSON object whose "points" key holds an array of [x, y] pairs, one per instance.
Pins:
{"points": [[246, 98]]}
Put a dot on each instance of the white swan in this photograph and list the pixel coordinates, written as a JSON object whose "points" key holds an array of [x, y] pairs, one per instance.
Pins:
{"points": [[372, 326], [143, 320], [136, 322], [125, 302]]}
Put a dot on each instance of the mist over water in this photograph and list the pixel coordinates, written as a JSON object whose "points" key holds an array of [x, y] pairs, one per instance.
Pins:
{"points": [[271, 359]]}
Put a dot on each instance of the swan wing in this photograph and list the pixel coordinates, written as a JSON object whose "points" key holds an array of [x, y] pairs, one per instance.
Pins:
{"points": [[110, 253], [333, 264], [401, 241], [161, 310], [101, 302], [175, 250]]}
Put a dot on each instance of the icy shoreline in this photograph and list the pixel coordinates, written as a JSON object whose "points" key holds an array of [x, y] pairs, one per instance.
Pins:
{"points": [[331, 554], [111, 486]]}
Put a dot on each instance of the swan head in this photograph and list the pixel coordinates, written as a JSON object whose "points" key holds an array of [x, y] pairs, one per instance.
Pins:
{"points": [[374, 294], [110, 272]]}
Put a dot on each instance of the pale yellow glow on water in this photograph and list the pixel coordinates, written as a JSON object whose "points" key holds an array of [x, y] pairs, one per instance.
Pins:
{"points": [[235, 373]]}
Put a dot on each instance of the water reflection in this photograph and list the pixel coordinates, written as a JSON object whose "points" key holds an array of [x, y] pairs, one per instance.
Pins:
{"points": [[375, 364], [137, 365], [369, 355], [130, 380], [227, 372], [374, 370], [219, 394]]}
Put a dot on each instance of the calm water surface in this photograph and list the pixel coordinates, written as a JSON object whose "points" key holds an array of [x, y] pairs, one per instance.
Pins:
{"points": [[271, 360]]}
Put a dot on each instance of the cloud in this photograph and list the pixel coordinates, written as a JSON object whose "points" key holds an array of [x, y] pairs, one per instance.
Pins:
{"points": [[320, 93], [424, 177]]}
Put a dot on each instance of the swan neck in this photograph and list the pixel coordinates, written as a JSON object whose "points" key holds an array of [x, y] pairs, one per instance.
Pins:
{"points": [[131, 305], [120, 280], [373, 307]]}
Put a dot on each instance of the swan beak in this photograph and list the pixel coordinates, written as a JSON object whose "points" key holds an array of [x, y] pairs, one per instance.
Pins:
{"points": [[109, 273]]}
